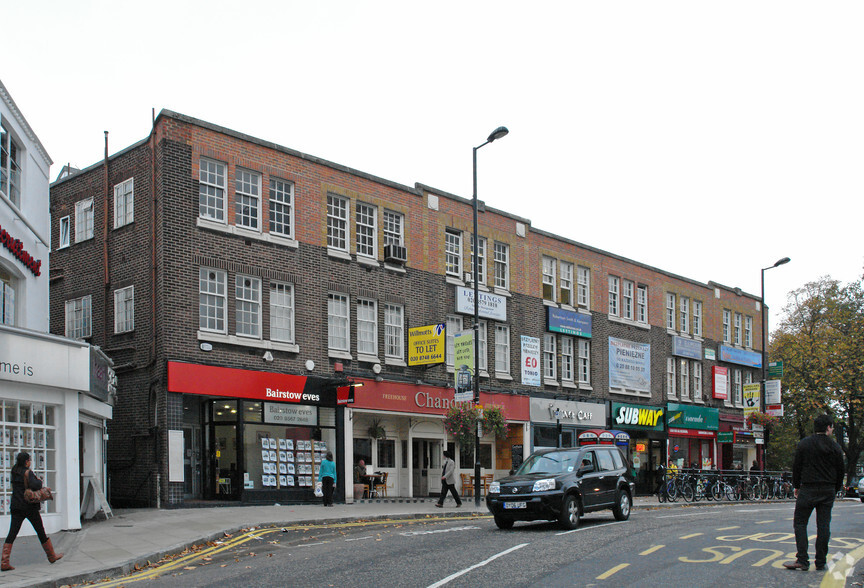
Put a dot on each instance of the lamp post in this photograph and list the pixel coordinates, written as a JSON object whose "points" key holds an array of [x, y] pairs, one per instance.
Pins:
{"points": [[496, 134], [762, 404]]}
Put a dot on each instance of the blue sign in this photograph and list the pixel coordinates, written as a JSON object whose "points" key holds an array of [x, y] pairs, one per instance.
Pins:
{"points": [[568, 322], [740, 356], [684, 347]]}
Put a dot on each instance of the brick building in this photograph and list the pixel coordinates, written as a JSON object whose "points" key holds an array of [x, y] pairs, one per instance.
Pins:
{"points": [[241, 286]]}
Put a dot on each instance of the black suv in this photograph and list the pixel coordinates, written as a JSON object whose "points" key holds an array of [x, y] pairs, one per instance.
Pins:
{"points": [[562, 485]]}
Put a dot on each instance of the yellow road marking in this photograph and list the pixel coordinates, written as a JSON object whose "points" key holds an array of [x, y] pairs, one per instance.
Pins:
{"points": [[652, 550], [690, 536], [608, 573], [763, 522], [836, 575], [728, 528]]}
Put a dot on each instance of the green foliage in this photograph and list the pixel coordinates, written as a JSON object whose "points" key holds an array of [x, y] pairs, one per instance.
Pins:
{"points": [[461, 422], [495, 421]]}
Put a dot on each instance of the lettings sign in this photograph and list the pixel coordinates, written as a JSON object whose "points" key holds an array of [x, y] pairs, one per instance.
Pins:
{"points": [[427, 345]]}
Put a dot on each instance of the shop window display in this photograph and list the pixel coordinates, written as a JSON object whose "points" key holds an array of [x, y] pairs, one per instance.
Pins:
{"points": [[29, 427], [280, 457], [466, 457]]}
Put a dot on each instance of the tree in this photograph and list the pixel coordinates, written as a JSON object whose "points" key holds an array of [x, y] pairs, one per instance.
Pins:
{"points": [[821, 342]]}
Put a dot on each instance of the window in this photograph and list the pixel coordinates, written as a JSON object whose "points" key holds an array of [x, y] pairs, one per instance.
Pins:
{"points": [[748, 331], [386, 453], [670, 311], [738, 387], [83, 220], [211, 300], [549, 356], [124, 203], [78, 319], [583, 288], [211, 190], [502, 349], [248, 306], [727, 325], [697, 318], [627, 300], [642, 304], [453, 253], [684, 380], [613, 296], [567, 359], [64, 232], [247, 194], [282, 312], [737, 329], [281, 207], [502, 265], [10, 167], [548, 264], [124, 310], [697, 381], [670, 377], [483, 364], [338, 334], [7, 298], [481, 259], [367, 327], [748, 377], [367, 230], [566, 283], [454, 325], [584, 361], [337, 222], [394, 331], [685, 315], [392, 228]]}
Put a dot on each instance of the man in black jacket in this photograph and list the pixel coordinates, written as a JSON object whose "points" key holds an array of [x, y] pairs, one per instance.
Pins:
{"points": [[817, 475]]}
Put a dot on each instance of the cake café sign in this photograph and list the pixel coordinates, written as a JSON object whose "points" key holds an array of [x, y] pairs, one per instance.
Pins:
{"points": [[17, 248]]}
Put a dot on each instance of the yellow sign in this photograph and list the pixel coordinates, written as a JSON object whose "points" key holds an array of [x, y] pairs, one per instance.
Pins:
{"points": [[427, 345], [751, 398]]}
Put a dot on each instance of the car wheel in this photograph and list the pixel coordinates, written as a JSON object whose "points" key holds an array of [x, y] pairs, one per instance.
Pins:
{"points": [[503, 523], [569, 517], [621, 510], [862, 499]]}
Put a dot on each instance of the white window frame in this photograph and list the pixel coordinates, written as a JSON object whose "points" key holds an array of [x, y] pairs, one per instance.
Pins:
{"points": [[394, 331], [697, 318], [65, 224], [614, 293], [124, 203], [282, 305], [739, 390], [367, 327], [501, 255], [366, 230], [7, 298], [567, 364], [281, 208], [671, 380], [642, 304], [670, 311], [684, 311], [684, 379], [748, 331], [79, 318], [584, 361], [453, 253], [454, 325], [11, 171], [483, 357], [247, 302], [697, 381], [727, 326], [247, 200], [212, 294], [338, 322], [502, 349], [481, 261], [393, 228], [83, 220], [566, 282], [737, 330], [548, 279], [124, 310], [212, 182], [550, 353], [583, 286], [627, 300], [338, 227]]}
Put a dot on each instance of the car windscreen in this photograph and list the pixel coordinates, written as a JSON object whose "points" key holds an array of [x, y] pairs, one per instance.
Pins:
{"points": [[557, 462]]}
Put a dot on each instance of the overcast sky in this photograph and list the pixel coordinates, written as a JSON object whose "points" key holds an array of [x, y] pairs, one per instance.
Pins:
{"points": [[706, 139]]}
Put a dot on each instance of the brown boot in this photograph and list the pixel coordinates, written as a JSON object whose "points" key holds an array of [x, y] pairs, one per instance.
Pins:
{"points": [[5, 566], [49, 551]]}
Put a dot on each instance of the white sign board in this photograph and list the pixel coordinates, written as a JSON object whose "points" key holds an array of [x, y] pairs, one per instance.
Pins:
{"points": [[175, 456], [491, 306], [772, 392], [44, 361], [530, 361], [277, 413]]}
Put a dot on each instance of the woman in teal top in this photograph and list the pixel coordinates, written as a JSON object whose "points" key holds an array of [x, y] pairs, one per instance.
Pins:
{"points": [[327, 477]]}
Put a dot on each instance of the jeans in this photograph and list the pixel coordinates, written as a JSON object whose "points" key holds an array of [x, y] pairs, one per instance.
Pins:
{"points": [[452, 488], [15, 525], [822, 499]]}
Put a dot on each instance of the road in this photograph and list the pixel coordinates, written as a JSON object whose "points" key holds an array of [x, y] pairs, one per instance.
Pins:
{"points": [[717, 545]]}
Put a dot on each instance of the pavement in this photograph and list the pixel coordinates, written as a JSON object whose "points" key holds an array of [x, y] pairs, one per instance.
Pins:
{"points": [[114, 547]]}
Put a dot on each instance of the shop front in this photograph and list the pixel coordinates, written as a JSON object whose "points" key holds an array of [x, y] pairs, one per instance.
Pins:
{"points": [[558, 423], [56, 395], [397, 429], [692, 435], [738, 447], [646, 426], [261, 436]]}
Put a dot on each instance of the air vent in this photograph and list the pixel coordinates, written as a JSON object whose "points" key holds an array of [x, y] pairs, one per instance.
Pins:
{"points": [[395, 253]]}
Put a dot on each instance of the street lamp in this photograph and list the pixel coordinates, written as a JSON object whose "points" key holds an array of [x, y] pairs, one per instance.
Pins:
{"points": [[496, 134], [762, 404]]}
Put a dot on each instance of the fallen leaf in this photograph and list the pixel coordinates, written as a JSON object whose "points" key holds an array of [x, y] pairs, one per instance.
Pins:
{"points": [[189, 568]]}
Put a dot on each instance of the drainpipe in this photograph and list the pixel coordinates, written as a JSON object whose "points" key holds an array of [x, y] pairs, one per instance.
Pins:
{"points": [[153, 239], [105, 209]]}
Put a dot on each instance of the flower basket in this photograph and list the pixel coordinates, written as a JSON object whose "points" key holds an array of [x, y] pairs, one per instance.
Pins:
{"points": [[461, 422], [495, 421], [760, 418]]}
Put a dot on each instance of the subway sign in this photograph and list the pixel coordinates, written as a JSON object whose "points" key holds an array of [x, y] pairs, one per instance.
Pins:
{"points": [[634, 416]]}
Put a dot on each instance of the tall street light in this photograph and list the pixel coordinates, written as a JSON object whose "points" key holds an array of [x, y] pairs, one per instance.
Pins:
{"points": [[762, 403], [496, 134]]}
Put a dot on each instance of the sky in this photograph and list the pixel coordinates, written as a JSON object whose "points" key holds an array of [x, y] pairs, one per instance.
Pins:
{"points": [[707, 139]]}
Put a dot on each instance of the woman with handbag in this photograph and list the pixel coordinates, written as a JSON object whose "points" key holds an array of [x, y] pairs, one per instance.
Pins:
{"points": [[327, 477], [23, 479]]}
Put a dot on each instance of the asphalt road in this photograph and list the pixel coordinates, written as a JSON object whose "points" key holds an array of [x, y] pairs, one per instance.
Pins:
{"points": [[726, 545]]}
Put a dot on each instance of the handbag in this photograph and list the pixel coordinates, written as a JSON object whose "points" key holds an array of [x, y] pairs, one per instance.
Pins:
{"points": [[36, 496], [319, 491]]}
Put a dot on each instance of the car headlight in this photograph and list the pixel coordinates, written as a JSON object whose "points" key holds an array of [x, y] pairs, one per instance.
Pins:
{"points": [[543, 485], [495, 488]]}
